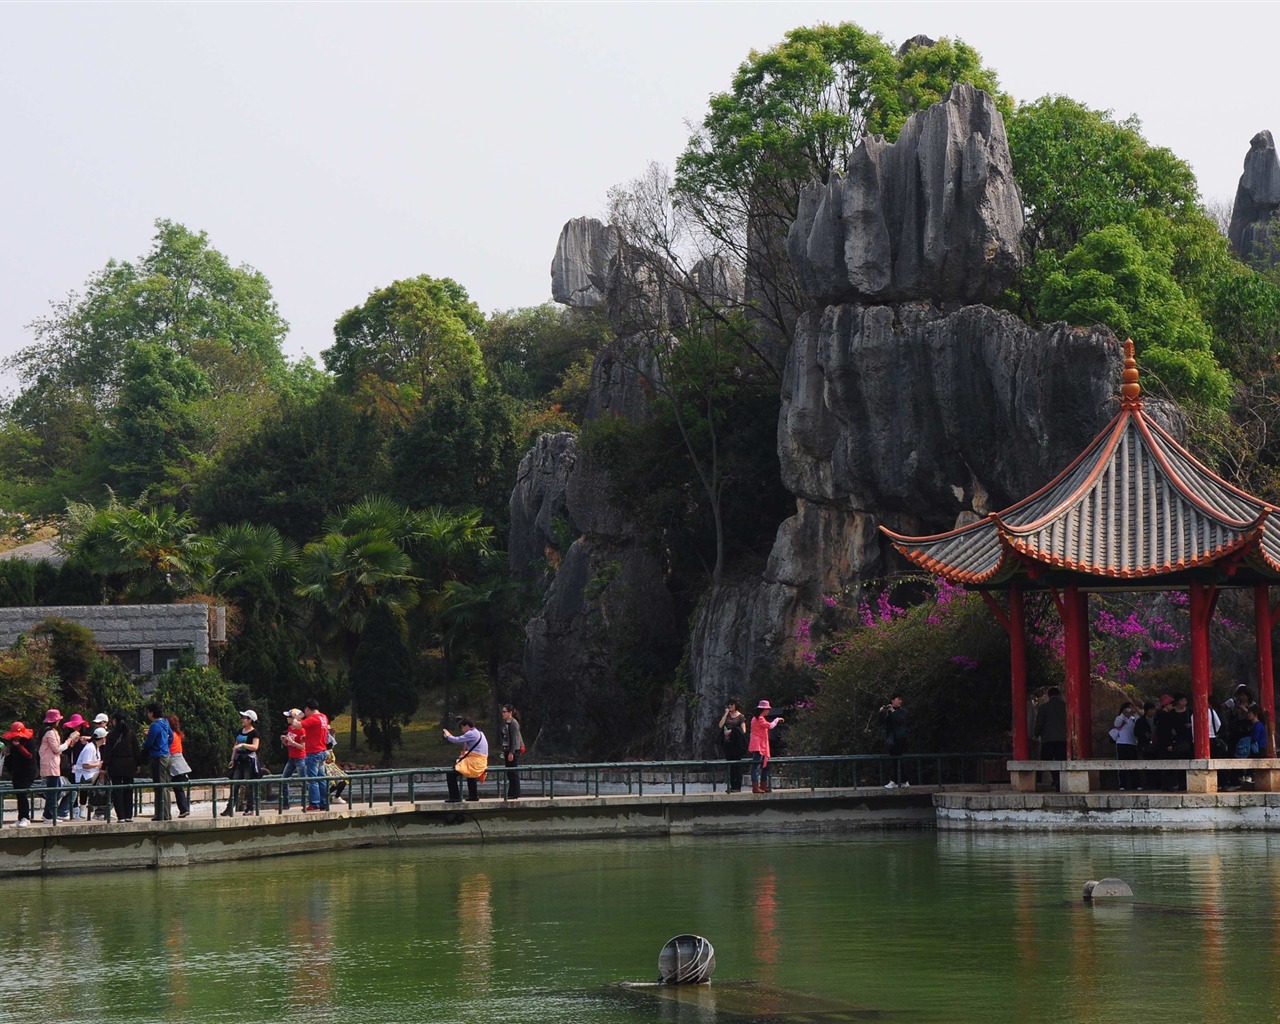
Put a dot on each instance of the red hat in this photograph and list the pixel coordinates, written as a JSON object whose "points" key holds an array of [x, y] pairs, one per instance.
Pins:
{"points": [[765, 705], [75, 721], [1165, 700], [18, 731], [52, 715]]}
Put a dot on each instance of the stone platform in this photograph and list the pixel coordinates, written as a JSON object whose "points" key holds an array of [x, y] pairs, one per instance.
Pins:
{"points": [[99, 846], [1189, 812]]}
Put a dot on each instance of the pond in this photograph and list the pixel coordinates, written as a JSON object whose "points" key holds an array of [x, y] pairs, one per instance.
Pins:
{"points": [[918, 926]]}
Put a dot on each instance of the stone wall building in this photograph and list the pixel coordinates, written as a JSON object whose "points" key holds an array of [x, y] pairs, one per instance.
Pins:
{"points": [[147, 638]]}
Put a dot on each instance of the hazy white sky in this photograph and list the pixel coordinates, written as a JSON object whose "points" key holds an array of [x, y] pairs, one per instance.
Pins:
{"points": [[338, 147]]}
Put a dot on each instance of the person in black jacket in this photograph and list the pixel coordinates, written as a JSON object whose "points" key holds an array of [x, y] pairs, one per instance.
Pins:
{"points": [[121, 760], [1144, 732], [20, 760], [733, 732]]}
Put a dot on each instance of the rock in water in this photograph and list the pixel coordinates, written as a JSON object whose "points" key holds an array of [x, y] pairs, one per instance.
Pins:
{"points": [[1107, 888], [1257, 200]]}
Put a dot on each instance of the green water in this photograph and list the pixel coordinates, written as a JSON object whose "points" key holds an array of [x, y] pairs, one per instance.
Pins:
{"points": [[918, 927]]}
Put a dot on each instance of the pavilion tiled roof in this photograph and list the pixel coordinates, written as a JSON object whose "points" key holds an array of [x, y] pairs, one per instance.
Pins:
{"points": [[1134, 505]]}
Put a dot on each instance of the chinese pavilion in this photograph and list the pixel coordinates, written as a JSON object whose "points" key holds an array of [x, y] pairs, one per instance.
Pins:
{"points": [[1135, 511]]}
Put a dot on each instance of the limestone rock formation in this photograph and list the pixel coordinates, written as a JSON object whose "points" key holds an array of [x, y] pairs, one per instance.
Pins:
{"points": [[1257, 201], [585, 263], [935, 215]]}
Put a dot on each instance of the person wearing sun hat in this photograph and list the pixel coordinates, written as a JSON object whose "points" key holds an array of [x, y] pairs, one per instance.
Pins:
{"points": [[758, 748], [52, 747], [72, 804], [294, 740], [20, 759]]}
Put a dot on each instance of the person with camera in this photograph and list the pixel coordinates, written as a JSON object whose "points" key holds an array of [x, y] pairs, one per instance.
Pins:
{"points": [[733, 734], [761, 726], [471, 764], [893, 721]]}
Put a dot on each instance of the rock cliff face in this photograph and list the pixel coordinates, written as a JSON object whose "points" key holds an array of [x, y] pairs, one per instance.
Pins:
{"points": [[904, 403], [1257, 200], [935, 215]]}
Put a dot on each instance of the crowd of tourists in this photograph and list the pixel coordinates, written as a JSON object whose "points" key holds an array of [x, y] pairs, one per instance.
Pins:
{"points": [[1164, 729], [105, 756]]}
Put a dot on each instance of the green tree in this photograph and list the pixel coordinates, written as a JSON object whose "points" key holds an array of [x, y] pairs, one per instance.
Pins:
{"points": [[202, 702], [307, 458], [529, 351], [1112, 278], [144, 555], [382, 679], [183, 297], [112, 689], [360, 561], [152, 437], [483, 617], [405, 340]]}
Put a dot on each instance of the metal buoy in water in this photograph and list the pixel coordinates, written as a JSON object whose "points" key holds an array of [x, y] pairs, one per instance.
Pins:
{"points": [[686, 960], [1114, 888]]}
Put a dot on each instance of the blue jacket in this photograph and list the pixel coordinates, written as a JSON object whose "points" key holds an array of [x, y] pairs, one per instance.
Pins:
{"points": [[157, 740]]}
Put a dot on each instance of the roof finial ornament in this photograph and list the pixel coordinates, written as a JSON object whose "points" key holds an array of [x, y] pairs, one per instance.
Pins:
{"points": [[1130, 389]]}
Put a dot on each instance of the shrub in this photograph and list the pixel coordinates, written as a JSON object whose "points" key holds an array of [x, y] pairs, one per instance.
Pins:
{"points": [[948, 657], [199, 697]]}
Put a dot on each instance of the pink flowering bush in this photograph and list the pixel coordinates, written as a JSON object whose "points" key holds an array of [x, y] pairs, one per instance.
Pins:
{"points": [[937, 645]]}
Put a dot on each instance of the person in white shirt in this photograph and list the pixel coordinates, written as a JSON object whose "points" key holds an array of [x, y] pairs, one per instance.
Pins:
{"points": [[88, 765], [1126, 743]]}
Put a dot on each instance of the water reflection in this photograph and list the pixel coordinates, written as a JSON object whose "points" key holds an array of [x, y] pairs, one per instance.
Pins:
{"points": [[475, 932], [948, 927]]}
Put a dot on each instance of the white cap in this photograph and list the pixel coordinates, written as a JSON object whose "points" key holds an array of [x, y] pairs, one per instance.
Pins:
{"points": [[100, 717], [250, 714], [99, 733]]}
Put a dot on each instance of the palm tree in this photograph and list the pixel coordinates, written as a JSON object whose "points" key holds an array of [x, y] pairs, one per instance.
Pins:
{"points": [[481, 616], [143, 554], [342, 576], [250, 548]]}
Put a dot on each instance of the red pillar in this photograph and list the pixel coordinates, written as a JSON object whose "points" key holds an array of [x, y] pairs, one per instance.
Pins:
{"points": [[1201, 610], [1067, 608], [1266, 677], [1018, 673], [1084, 674]]}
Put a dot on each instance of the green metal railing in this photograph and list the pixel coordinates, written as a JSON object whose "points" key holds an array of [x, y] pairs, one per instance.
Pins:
{"points": [[595, 779]]}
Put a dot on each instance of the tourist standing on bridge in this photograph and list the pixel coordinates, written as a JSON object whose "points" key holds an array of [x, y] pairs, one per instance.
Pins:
{"points": [[244, 765], [179, 769], [294, 740], [733, 734], [122, 765], [761, 726], [155, 748], [52, 747], [315, 726], [471, 764], [893, 720], [512, 748], [1051, 729], [20, 759]]}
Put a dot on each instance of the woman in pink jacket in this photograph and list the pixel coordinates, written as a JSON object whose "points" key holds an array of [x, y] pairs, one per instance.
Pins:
{"points": [[759, 746], [51, 747]]}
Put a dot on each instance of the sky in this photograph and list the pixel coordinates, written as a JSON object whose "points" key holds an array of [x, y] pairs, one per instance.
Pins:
{"points": [[338, 147]]}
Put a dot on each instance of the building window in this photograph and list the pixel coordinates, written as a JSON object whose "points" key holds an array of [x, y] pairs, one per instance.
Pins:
{"points": [[129, 659], [167, 657]]}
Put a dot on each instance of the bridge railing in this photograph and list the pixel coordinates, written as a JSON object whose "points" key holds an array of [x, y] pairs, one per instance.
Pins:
{"points": [[388, 787]]}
